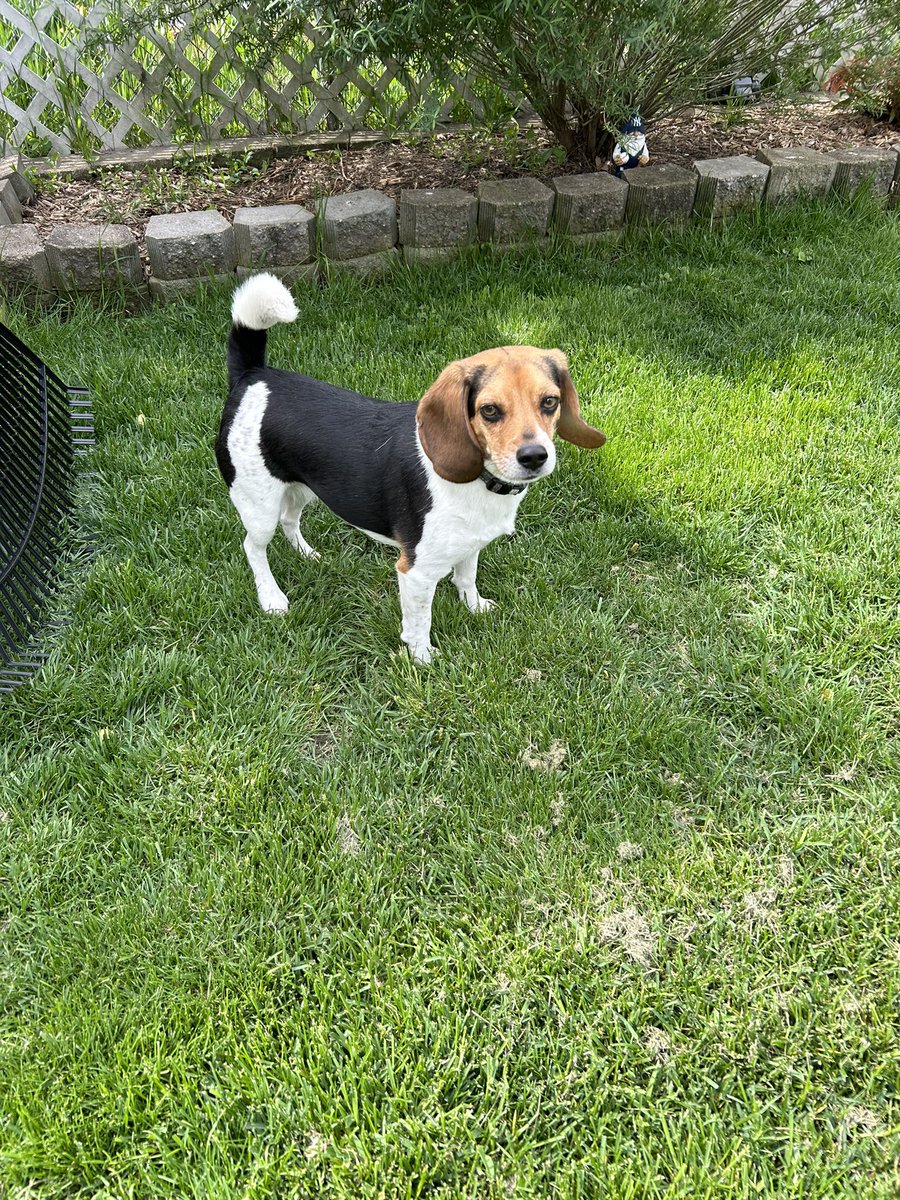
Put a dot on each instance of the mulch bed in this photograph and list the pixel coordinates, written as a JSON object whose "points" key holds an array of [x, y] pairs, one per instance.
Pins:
{"points": [[444, 160]]}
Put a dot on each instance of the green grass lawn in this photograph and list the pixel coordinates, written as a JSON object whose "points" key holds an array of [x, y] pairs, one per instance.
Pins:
{"points": [[605, 902]]}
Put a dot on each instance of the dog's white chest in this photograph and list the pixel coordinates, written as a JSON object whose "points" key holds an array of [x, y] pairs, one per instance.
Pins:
{"points": [[464, 519]]}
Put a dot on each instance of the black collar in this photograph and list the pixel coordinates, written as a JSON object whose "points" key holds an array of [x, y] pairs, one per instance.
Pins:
{"points": [[498, 487]]}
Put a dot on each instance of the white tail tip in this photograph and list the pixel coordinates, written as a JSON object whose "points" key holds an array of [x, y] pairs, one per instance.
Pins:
{"points": [[262, 301]]}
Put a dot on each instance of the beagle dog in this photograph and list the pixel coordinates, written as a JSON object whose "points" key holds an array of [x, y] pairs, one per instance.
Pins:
{"points": [[438, 479]]}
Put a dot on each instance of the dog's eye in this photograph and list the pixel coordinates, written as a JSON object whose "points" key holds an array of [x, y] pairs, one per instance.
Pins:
{"points": [[550, 404], [490, 412]]}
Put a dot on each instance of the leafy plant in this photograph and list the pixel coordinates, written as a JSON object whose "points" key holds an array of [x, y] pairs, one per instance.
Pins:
{"points": [[870, 85], [70, 91]]}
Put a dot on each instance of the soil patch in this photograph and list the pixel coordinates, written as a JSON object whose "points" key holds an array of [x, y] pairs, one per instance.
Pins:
{"points": [[443, 160]]}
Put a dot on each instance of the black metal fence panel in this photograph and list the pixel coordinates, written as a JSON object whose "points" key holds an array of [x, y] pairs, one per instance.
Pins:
{"points": [[43, 425]]}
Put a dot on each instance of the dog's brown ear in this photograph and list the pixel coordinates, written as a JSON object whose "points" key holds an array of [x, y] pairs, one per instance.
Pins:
{"points": [[445, 429], [571, 427]]}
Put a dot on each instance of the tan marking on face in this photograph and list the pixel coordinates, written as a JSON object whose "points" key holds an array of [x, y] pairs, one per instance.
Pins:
{"points": [[460, 438], [516, 379]]}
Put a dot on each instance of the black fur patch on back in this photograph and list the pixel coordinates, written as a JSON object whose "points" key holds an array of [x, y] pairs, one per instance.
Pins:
{"points": [[358, 455]]}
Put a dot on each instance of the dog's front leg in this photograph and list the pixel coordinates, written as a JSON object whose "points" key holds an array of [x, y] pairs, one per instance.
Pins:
{"points": [[416, 594], [464, 578]]}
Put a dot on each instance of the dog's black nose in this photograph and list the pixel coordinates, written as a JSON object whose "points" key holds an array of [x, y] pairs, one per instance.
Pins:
{"points": [[531, 457]]}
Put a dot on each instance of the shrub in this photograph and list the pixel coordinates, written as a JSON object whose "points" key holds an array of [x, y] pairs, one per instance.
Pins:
{"points": [[871, 85], [585, 65]]}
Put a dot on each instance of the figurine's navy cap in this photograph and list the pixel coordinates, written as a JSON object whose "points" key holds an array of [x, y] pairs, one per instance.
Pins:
{"points": [[633, 125]]}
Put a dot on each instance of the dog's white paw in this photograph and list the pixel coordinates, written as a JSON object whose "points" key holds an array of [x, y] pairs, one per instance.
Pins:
{"points": [[422, 654], [274, 602], [482, 605], [302, 546]]}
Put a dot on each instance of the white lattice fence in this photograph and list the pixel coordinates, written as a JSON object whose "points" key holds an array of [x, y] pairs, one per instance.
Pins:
{"points": [[66, 85]]}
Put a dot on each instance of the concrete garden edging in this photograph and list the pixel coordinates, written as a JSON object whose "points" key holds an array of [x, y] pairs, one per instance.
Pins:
{"points": [[365, 232]]}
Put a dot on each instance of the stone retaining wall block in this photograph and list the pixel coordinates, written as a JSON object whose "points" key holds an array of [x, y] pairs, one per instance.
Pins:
{"points": [[192, 245], [275, 235], [23, 263], [366, 264], [603, 237], [663, 193], [176, 289], [93, 258], [513, 210], [794, 172], [359, 225], [413, 255], [589, 204], [9, 170], [10, 202], [874, 166], [22, 186], [438, 217], [726, 185], [299, 273]]}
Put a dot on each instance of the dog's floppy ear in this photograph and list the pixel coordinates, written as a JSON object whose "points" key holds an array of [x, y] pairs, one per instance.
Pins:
{"points": [[444, 427], [571, 427]]}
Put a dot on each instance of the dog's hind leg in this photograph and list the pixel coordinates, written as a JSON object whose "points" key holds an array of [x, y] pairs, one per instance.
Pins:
{"points": [[260, 510], [296, 498]]}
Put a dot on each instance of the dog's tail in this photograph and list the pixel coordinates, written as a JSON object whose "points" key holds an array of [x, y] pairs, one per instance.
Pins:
{"points": [[260, 302]]}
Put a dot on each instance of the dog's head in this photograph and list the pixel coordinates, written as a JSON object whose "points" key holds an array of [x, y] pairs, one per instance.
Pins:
{"points": [[500, 410]]}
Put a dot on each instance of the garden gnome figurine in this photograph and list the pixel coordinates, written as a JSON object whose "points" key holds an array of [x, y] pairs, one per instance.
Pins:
{"points": [[631, 148]]}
